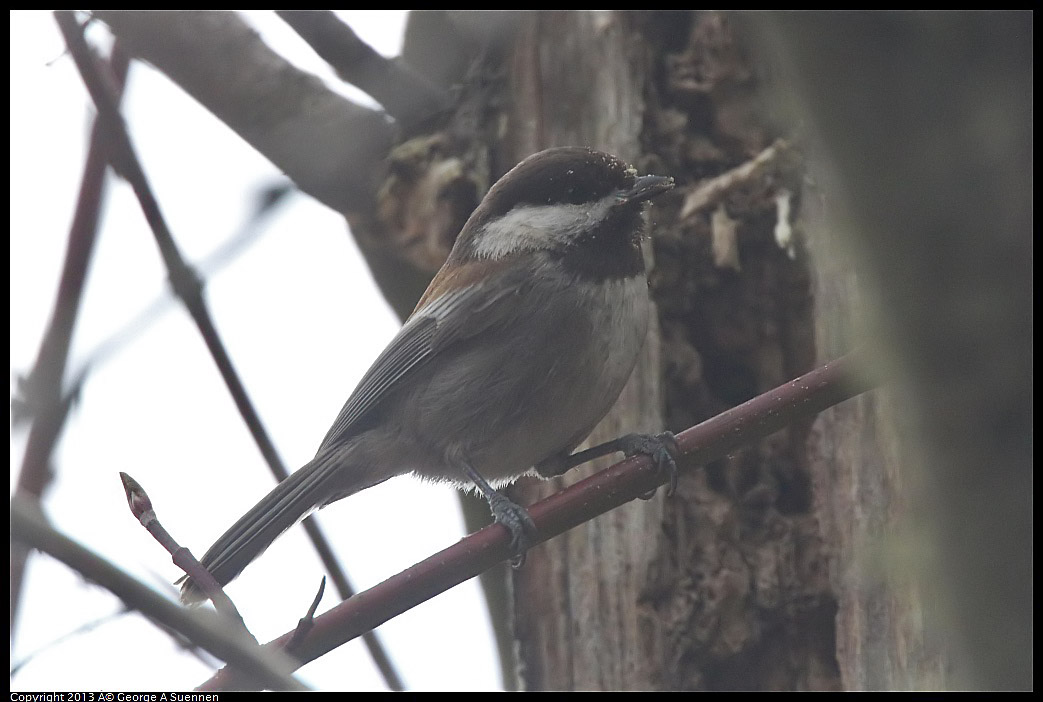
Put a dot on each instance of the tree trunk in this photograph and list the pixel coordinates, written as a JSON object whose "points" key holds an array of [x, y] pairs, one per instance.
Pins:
{"points": [[823, 558], [726, 585]]}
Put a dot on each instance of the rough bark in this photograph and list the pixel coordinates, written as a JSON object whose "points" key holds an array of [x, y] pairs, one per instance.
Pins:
{"points": [[739, 596]]}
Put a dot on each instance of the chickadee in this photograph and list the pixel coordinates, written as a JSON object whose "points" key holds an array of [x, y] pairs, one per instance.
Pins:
{"points": [[520, 345]]}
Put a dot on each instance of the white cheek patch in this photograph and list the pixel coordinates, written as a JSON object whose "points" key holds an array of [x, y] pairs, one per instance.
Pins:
{"points": [[536, 227]]}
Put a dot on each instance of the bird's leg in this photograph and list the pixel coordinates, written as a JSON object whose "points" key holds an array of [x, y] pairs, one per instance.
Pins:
{"points": [[506, 512]]}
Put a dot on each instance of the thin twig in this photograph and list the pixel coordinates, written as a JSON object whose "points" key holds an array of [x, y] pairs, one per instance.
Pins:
{"points": [[630, 479], [226, 252], [86, 627], [307, 621], [175, 636], [141, 508], [38, 390], [189, 288], [41, 392], [267, 665]]}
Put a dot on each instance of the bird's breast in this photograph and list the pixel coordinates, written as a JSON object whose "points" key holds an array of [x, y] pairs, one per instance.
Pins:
{"points": [[510, 399]]}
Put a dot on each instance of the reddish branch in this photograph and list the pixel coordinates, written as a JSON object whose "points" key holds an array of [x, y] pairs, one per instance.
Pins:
{"points": [[625, 481], [41, 393], [142, 509]]}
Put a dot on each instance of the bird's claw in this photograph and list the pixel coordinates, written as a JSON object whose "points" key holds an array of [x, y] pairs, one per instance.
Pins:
{"points": [[517, 520], [661, 448]]}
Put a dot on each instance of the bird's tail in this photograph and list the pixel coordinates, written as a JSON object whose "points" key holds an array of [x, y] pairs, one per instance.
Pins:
{"points": [[289, 502]]}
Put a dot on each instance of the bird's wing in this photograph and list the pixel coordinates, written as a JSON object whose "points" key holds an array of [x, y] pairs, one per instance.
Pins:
{"points": [[454, 308]]}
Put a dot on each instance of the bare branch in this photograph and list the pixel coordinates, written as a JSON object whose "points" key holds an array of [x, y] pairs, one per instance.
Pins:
{"points": [[407, 96], [43, 384], [333, 149], [40, 395], [271, 667]]}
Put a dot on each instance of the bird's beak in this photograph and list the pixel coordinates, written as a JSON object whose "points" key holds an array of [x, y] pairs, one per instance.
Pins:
{"points": [[645, 188]]}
